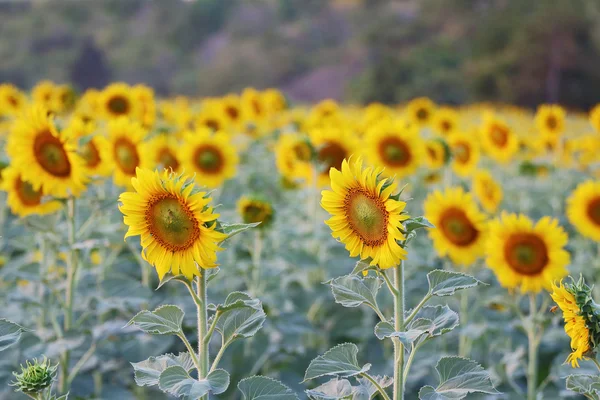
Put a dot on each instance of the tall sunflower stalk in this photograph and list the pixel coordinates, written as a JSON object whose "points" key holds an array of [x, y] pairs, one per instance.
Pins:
{"points": [[180, 236], [369, 218]]}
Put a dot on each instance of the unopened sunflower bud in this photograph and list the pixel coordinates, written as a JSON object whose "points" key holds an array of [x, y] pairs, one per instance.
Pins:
{"points": [[35, 376]]}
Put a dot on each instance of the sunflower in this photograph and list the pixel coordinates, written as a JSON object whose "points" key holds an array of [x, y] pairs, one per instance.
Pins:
{"points": [[210, 156], [64, 98], [124, 146], [437, 153], [465, 153], [254, 109], [22, 198], [91, 147], [395, 146], [174, 222], [594, 117], [211, 117], [162, 151], [524, 255], [488, 191], [583, 209], [332, 147], [46, 158], [461, 227], [445, 120], [293, 154], [12, 100], [274, 100], [420, 111], [498, 139], [365, 218], [144, 96], [579, 312], [117, 100], [231, 109], [43, 94], [550, 120], [255, 209]]}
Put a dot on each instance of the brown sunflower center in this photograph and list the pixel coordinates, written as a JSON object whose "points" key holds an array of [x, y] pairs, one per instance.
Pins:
{"points": [[27, 194], [13, 101], [126, 155], [593, 210], [457, 227], [395, 152], [233, 112], [446, 126], [526, 253], [432, 153], [90, 154], [422, 114], [167, 159], [367, 216], [118, 105], [209, 159], [212, 124], [254, 213], [499, 135], [462, 152], [51, 154], [172, 223], [302, 151], [256, 106], [331, 155], [552, 122]]}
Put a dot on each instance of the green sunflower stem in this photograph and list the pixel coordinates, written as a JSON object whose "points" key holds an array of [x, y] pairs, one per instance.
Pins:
{"points": [[256, 261], [71, 277], [399, 327], [202, 327], [463, 343], [533, 345]]}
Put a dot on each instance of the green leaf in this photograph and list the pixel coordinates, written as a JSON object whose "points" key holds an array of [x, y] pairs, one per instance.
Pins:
{"points": [[239, 300], [233, 229], [584, 384], [340, 360], [458, 377], [169, 277], [334, 389], [415, 223], [385, 329], [360, 267], [446, 283], [10, 333], [383, 381], [165, 320], [175, 380], [240, 322], [435, 320], [148, 371], [352, 291], [264, 388]]}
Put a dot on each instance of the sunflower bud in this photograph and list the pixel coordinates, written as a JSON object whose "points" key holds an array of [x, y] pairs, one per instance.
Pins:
{"points": [[255, 209], [35, 376]]}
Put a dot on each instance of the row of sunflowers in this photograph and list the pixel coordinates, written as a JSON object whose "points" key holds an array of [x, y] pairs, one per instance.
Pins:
{"points": [[510, 202]]}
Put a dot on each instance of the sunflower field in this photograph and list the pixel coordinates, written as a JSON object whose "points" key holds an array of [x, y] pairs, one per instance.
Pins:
{"points": [[246, 247]]}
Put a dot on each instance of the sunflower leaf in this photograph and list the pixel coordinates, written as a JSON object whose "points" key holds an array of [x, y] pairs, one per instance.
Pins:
{"points": [[165, 320], [340, 360], [242, 317], [415, 223], [10, 333], [584, 384], [170, 277], [148, 371], [177, 381], [385, 329], [458, 377], [264, 388], [446, 283], [435, 320], [352, 291], [233, 229], [334, 389]]}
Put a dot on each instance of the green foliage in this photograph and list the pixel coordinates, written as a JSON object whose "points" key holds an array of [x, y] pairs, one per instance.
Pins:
{"points": [[264, 388]]}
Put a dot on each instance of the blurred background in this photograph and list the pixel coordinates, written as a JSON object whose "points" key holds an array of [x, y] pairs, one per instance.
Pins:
{"points": [[454, 51]]}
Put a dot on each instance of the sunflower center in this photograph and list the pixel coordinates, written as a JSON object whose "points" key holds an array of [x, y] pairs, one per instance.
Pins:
{"points": [[367, 216], [302, 152], [422, 114], [13, 101], [171, 223], [27, 194], [552, 122], [462, 152], [446, 126], [232, 112], [499, 135], [118, 105], [256, 106], [458, 228], [212, 124], [593, 210], [395, 152], [432, 153], [90, 154], [254, 213], [526, 253], [331, 155], [209, 159], [51, 155], [126, 155], [167, 159]]}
